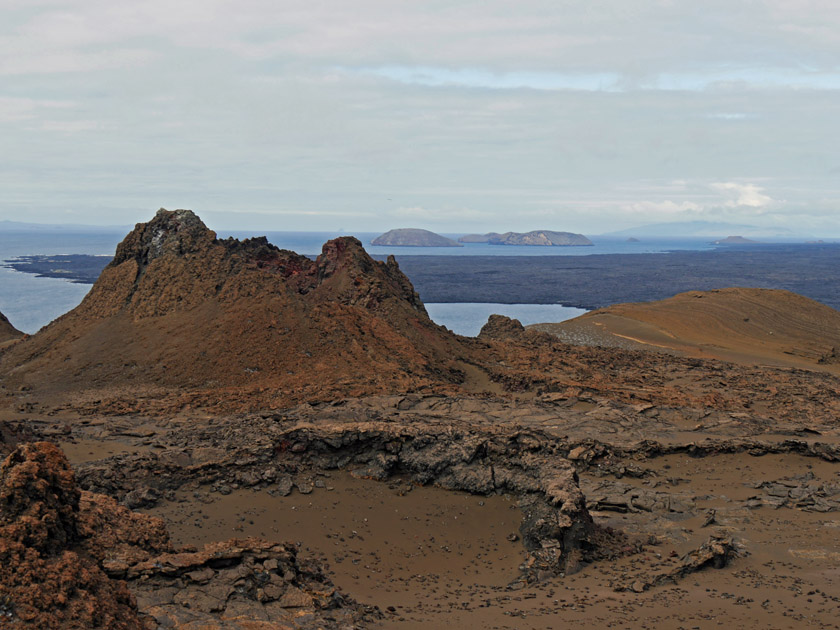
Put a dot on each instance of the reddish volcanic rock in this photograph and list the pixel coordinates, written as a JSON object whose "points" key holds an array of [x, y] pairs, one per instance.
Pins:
{"points": [[64, 556], [236, 323], [47, 578]]}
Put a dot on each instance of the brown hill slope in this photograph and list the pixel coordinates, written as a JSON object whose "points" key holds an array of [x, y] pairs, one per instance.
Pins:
{"points": [[179, 310], [7, 331], [735, 324]]}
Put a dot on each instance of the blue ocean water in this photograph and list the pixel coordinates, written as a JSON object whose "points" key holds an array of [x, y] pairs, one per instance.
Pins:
{"points": [[467, 318], [31, 302]]}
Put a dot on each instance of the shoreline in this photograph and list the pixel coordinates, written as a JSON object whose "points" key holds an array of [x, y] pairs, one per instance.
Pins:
{"points": [[587, 282]]}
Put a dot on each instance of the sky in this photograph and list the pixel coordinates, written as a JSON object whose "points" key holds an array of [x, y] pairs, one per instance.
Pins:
{"points": [[455, 116]]}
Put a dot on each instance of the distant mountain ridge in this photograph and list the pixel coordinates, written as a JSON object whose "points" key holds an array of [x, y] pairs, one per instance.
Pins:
{"points": [[702, 229], [22, 226]]}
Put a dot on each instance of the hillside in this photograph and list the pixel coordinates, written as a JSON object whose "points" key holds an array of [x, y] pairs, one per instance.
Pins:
{"points": [[7, 331], [736, 324], [178, 310]]}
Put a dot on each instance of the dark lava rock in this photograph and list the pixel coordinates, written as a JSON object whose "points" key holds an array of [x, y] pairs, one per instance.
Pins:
{"points": [[500, 327], [11, 435]]}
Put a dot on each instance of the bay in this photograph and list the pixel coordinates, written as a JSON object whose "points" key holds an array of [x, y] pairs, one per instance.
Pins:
{"points": [[467, 318]]}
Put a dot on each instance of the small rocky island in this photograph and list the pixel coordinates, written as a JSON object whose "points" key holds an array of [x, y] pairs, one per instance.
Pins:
{"points": [[734, 240], [413, 237], [535, 237]]}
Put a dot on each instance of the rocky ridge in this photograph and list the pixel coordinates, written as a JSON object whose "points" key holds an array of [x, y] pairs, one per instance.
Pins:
{"points": [[557, 531], [179, 308]]}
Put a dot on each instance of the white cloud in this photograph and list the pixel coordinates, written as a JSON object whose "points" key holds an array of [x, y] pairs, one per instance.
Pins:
{"points": [[70, 126], [739, 194], [634, 110], [15, 109], [673, 210]]}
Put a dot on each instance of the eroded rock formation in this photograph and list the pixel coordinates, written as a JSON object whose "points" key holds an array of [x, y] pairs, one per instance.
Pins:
{"points": [[48, 578], [75, 559]]}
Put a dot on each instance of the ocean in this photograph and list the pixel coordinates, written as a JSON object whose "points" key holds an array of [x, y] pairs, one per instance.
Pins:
{"points": [[31, 302]]}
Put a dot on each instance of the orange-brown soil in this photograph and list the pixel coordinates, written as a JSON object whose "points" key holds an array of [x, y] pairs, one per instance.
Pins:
{"points": [[751, 326]]}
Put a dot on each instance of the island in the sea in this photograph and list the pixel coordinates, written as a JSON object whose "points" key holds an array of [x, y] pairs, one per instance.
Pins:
{"points": [[535, 237], [734, 240], [413, 237]]}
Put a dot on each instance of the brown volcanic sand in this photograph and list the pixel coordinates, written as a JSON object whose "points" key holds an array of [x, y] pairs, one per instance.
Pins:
{"points": [[441, 559], [425, 551], [764, 326]]}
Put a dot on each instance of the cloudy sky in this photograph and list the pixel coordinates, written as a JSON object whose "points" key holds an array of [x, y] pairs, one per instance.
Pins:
{"points": [[591, 115]]}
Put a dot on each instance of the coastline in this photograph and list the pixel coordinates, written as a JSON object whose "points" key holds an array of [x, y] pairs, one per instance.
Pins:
{"points": [[587, 282]]}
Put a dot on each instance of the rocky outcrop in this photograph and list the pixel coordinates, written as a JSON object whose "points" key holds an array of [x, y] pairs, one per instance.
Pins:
{"points": [[178, 310], [7, 331], [716, 553], [231, 584], [413, 237], [535, 237], [48, 579], [75, 559], [501, 327]]}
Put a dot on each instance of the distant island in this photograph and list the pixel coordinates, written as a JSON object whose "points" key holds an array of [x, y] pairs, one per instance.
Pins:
{"points": [[703, 229], [535, 237], [734, 240], [413, 237]]}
